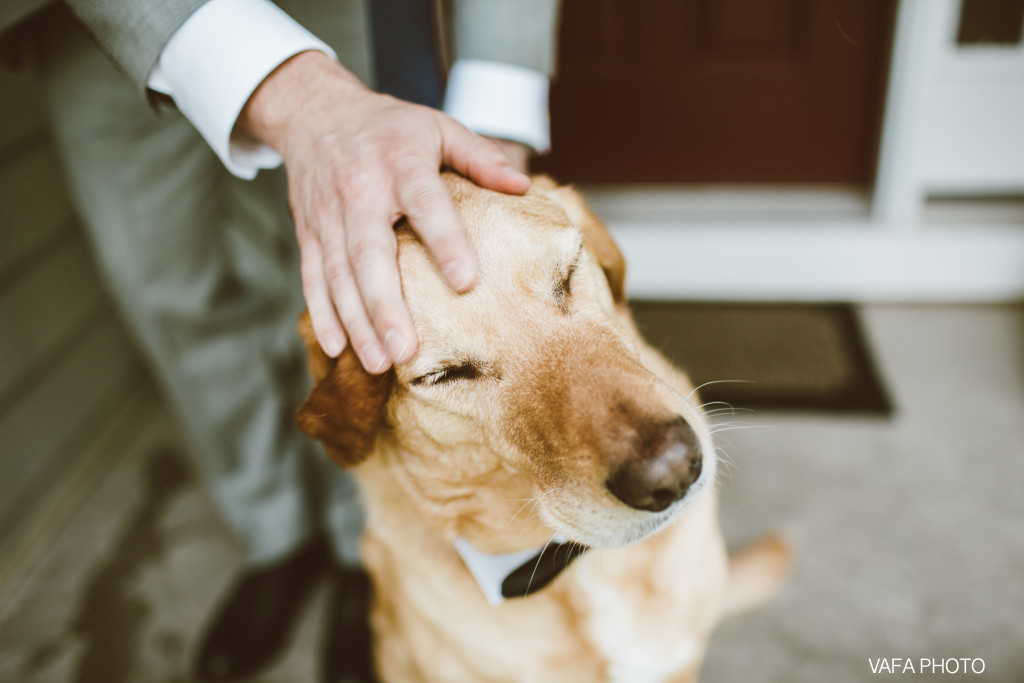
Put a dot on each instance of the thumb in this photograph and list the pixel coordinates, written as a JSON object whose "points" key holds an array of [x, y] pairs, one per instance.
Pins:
{"points": [[479, 159]]}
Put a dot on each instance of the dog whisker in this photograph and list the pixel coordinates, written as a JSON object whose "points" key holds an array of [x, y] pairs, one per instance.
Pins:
{"points": [[523, 507], [730, 409], [715, 403], [540, 556], [714, 417], [729, 466], [575, 548], [717, 429], [531, 503], [719, 412], [718, 381]]}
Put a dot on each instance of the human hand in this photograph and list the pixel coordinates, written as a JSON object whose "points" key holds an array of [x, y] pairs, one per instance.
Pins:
{"points": [[517, 153], [357, 161]]}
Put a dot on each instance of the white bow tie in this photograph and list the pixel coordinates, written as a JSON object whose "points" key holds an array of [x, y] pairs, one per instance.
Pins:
{"points": [[518, 574]]}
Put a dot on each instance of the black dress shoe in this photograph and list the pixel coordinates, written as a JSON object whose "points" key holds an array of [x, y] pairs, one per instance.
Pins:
{"points": [[255, 619], [348, 643]]}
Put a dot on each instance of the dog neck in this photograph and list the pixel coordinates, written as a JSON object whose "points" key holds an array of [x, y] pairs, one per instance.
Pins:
{"points": [[488, 518]]}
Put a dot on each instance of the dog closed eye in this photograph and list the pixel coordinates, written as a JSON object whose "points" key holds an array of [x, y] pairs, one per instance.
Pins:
{"points": [[449, 373]]}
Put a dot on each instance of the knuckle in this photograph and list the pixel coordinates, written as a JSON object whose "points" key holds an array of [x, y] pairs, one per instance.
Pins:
{"points": [[369, 251], [419, 200], [398, 158], [310, 286], [358, 331], [409, 162], [352, 178], [379, 309], [360, 251], [336, 273], [336, 280], [449, 243], [320, 218], [323, 325]]}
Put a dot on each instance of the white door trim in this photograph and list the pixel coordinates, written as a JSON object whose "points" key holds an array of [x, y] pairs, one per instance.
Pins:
{"points": [[831, 244]]}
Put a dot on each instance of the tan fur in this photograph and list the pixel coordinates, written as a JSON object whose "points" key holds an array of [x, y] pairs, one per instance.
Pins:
{"points": [[520, 451], [756, 571]]}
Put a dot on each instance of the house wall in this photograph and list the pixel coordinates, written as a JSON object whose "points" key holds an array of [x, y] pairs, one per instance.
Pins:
{"points": [[66, 363]]}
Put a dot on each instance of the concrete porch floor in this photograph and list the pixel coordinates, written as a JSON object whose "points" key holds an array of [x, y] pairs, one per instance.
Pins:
{"points": [[909, 534]]}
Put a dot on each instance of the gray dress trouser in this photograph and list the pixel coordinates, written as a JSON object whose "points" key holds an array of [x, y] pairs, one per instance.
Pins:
{"points": [[204, 268]]}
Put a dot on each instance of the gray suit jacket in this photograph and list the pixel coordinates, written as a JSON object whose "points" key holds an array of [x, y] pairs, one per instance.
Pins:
{"points": [[133, 32]]}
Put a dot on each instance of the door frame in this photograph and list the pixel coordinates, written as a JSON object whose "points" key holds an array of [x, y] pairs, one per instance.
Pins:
{"points": [[946, 132]]}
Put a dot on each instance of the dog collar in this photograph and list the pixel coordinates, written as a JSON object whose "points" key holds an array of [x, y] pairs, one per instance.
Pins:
{"points": [[518, 574]]}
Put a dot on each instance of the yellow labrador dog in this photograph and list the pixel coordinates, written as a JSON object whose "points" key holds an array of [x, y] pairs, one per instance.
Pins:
{"points": [[538, 481]]}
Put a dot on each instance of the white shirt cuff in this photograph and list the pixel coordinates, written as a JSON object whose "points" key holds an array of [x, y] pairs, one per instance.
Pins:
{"points": [[500, 100], [216, 60]]}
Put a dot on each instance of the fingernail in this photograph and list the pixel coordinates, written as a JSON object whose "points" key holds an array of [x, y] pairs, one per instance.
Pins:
{"points": [[396, 345], [511, 170], [373, 358], [332, 345], [459, 274]]}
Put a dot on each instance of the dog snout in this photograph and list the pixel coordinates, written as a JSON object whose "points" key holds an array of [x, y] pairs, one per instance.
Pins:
{"points": [[661, 470]]}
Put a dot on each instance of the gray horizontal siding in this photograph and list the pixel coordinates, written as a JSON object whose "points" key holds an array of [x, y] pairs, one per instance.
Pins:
{"points": [[66, 363]]}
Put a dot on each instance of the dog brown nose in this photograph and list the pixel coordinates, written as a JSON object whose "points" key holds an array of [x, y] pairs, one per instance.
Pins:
{"points": [[667, 463]]}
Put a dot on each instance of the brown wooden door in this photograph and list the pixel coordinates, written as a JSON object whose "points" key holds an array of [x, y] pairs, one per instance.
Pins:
{"points": [[719, 90]]}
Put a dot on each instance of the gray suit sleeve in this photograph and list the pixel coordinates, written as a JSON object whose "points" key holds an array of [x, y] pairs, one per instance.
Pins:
{"points": [[520, 32], [133, 32]]}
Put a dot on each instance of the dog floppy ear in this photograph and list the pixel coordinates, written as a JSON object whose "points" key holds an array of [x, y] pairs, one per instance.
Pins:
{"points": [[347, 404], [596, 238]]}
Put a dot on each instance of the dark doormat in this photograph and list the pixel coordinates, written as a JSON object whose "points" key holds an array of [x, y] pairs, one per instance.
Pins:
{"points": [[805, 357]]}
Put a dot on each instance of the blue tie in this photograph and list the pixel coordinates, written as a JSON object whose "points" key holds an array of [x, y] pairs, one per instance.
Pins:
{"points": [[405, 50]]}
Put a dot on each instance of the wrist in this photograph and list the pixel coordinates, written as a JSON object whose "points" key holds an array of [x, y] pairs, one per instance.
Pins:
{"points": [[291, 91]]}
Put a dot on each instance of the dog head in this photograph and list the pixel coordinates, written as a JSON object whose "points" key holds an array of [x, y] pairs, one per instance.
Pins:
{"points": [[529, 387]]}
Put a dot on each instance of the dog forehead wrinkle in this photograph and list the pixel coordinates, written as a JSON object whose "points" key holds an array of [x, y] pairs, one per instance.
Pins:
{"points": [[512, 279], [535, 217], [526, 255], [562, 291], [521, 243]]}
